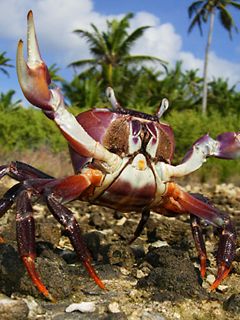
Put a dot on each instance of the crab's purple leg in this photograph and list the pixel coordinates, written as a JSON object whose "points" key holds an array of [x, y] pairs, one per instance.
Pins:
{"points": [[66, 218], [26, 239], [8, 198], [172, 205], [141, 224], [34, 80], [21, 171], [58, 192], [65, 190], [199, 242], [206, 211]]}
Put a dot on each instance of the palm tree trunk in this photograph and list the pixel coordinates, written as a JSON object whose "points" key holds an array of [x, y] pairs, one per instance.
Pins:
{"points": [[205, 70]]}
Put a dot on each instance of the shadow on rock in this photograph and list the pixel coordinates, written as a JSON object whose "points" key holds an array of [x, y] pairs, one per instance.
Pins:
{"points": [[173, 276]]}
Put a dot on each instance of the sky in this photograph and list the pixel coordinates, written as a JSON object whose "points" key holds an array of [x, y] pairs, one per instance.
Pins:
{"points": [[168, 37]]}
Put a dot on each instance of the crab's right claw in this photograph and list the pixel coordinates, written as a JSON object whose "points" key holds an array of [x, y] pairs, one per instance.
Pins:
{"points": [[229, 145], [33, 75]]}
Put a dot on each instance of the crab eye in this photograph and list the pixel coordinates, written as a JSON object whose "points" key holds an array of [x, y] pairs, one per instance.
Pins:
{"points": [[152, 145], [134, 140]]}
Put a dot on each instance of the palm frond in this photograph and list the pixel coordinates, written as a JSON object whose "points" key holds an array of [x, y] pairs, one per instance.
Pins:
{"points": [[84, 62], [4, 63], [196, 21], [194, 7], [131, 39], [235, 4], [134, 59], [226, 19]]}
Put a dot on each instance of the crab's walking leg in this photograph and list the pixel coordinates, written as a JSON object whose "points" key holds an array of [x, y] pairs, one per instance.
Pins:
{"points": [[34, 80], [26, 239], [21, 171], [203, 210], [141, 224], [65, 217], [65, 190], [199, 243], [8, 198]]}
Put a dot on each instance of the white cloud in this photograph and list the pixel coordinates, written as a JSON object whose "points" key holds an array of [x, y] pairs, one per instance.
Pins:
{"points": [[56, 19]]}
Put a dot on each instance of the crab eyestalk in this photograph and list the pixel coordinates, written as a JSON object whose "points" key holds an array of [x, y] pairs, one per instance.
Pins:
{"points": [[163, 107], [33, 75], [112, 99]]}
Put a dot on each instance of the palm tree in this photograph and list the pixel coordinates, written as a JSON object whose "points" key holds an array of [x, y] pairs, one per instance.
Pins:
{"points": [[111, 49], [7, 103], [203, 11], [4, 63]]}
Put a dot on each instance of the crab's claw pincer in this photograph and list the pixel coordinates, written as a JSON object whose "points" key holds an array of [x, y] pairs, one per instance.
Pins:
{"points": [[229, 145], [33, 75]]}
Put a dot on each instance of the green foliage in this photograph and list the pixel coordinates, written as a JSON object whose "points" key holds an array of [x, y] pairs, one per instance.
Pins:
{"points": [[6, 103], [28, 129], [4, 63], [190, 125]]}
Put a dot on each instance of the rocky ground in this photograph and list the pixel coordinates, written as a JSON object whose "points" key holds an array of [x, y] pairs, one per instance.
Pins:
{"points": [[154, 278]]}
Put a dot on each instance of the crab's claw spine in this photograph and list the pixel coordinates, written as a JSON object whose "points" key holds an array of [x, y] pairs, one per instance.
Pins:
{"points": [[33, 75]]}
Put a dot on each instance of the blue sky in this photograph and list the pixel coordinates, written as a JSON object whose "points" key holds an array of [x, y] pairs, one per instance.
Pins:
{"points": [[168, 38]]}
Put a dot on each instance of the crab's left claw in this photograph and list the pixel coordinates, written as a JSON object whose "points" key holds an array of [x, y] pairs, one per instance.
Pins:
{"points": [[33, 75]]}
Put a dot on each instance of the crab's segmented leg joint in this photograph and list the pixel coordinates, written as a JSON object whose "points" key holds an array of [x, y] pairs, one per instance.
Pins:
{"points": [[65, 217], [199, 243], [205, 210], [26, 240]]}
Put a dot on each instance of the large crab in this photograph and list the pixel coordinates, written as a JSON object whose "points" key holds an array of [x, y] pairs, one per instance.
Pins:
{"points": [[122, 160]]}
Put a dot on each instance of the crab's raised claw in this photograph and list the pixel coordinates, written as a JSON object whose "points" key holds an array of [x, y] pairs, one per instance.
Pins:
{"points": [[33, 75], [34, 80]]}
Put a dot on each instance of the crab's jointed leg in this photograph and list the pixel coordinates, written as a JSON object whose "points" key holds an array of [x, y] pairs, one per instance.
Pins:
{"points": [[34, 80], [26, 239], [141, 224], [33, 182], [204, 210], [199, 243], [66, 218]]}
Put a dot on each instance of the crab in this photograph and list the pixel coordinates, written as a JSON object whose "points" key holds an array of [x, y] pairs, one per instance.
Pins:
{"points": [[122, 160]]}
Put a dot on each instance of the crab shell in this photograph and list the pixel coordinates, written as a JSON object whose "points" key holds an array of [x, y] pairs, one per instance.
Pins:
{"points": [[135, 137]]}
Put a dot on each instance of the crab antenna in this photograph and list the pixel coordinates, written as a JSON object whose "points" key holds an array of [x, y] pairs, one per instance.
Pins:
{"points": [[163, 107], [112, 99]]}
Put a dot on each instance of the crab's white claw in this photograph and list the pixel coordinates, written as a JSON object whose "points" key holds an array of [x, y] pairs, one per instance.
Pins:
{"points": [[34, 80], [226, 146], [33, 75]]}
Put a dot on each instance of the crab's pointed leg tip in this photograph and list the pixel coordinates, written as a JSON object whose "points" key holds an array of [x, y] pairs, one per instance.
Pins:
{"points": [[222, 274], [51, 298], [93, 275]]}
